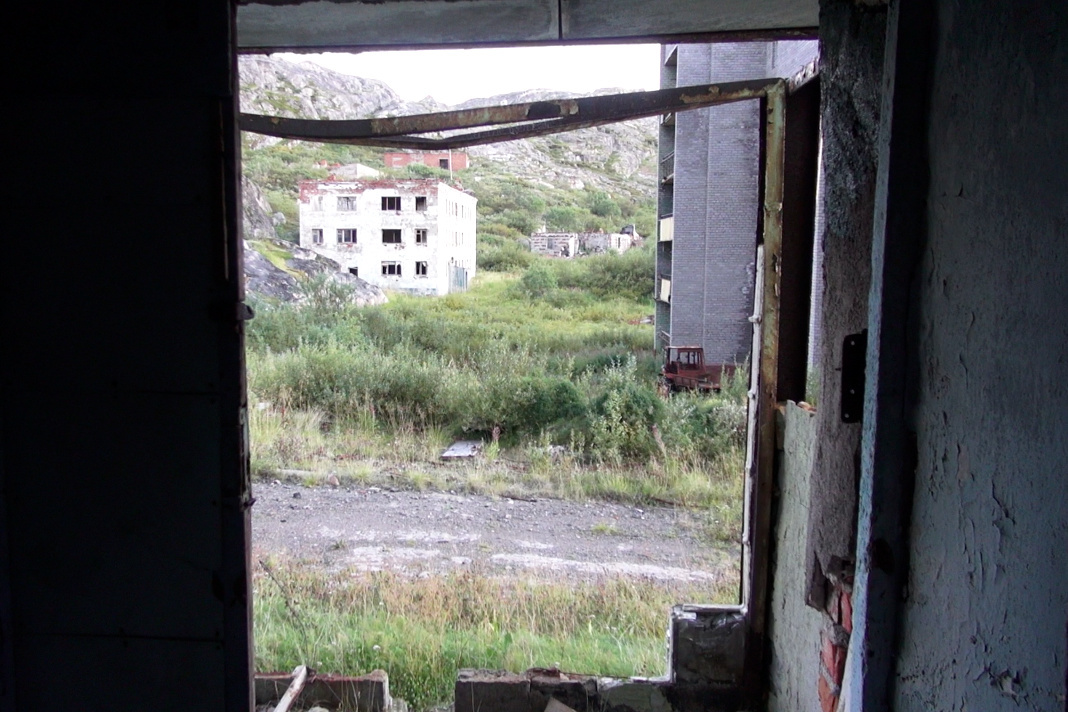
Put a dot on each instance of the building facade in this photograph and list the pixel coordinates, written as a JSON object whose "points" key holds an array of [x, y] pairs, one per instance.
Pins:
{"points": [[446, 160], [411, 235], [708, 198]]}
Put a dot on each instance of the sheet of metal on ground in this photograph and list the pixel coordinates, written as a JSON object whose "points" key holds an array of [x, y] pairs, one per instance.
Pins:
{"points": [[525, 120], [462, 449]]}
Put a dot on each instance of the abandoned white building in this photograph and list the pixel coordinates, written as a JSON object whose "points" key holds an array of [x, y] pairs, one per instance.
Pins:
{"points": [[412, 235]]}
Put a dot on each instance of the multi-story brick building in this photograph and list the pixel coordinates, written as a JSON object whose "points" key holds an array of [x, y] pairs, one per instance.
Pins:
{"points": [[411, 235], [708, 195]]}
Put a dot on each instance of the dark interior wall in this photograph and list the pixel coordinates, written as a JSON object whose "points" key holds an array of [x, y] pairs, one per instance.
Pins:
{"points": [[985, 616], [121, 389]]}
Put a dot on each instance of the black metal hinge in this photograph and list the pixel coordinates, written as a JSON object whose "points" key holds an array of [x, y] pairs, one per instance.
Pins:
{"points": [[854, 361]]}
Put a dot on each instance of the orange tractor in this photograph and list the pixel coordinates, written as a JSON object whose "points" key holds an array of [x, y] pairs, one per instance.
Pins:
{"points": [[685, 369]]}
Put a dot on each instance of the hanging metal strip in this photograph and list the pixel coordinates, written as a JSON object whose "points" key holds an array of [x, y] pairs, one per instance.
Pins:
{"points": [[538, 118]]}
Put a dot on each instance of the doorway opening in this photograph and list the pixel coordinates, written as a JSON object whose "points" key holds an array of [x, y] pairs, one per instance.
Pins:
{"points": [[592, 499]]}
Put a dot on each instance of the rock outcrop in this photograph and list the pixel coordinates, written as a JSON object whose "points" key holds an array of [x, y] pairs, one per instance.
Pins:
{"points": [[265, 279]]}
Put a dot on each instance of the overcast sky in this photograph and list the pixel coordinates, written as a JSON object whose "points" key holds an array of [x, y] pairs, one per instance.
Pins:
{"points": [[455, 75]]}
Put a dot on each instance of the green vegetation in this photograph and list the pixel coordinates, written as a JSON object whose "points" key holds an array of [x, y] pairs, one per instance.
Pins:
{"points": [[421, 630], [529, 362], [275, 255]]}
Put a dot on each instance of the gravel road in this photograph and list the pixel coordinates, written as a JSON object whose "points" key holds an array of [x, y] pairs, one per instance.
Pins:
{"points": [[432, 532]]}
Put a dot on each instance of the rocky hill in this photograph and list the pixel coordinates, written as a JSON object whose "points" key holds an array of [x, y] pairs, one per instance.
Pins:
{"points": [[618, 160]]}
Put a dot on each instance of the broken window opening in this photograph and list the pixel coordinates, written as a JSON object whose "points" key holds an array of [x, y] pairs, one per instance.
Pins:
{"points": [[354, 271], [443, 163], [420, 203], [346, 235], [756, 466], [346, 203], [317, 235], [420, 235]]}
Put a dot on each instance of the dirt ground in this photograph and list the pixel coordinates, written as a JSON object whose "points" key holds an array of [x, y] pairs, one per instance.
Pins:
{"points": [[422, 533]]}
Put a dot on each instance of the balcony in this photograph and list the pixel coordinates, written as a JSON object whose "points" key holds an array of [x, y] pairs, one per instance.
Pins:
{"points": [[666, 232], [663, 290]]}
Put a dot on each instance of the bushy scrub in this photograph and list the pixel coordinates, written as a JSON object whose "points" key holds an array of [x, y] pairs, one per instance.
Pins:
{"points": [[500, 255], [568, 366], [623, 417], [538, 280], [422, 629]]}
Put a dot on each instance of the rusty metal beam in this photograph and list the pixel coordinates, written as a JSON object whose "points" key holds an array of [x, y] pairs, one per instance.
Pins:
{"points": [[761, 474], [801, 164], [525, 120]]}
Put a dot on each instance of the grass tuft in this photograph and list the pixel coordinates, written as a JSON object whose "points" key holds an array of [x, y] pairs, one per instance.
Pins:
{"points": [[421, 630]]}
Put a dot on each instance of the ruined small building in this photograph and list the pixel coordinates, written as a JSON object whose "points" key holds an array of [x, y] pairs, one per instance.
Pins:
{"points": [[573, 244], [447, 160], [554, 244], [411, 235], [599, 242]]}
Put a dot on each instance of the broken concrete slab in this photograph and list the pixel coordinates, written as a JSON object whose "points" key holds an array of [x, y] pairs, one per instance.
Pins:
{"points": [[634, 696], [707, 645], [556, 705], [530, 691]]}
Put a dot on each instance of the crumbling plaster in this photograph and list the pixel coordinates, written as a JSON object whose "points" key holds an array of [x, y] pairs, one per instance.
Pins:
{"points": [[987, 601], [851, 50]]}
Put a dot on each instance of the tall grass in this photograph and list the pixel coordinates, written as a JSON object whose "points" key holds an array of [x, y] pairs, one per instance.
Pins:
{"points": [[422, 630], [572, 368]]}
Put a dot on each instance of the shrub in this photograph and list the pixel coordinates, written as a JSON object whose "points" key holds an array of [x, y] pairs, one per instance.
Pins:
{"points": [[507, 257], [627, 275], [538, 280], [563, 219], [622, 418], [602, 205]]}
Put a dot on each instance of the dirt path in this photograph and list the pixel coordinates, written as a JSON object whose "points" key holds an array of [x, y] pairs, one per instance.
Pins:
{"points": [[371, 528]]}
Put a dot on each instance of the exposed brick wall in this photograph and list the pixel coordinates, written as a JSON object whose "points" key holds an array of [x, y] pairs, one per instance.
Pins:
{"points": [[834, 643]]}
